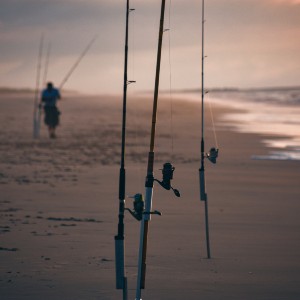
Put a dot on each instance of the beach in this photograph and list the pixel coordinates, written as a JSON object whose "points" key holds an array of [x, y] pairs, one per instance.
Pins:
{"points": [[59, 204]]}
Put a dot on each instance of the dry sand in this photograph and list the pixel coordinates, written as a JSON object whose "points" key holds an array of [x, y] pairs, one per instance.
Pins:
{"points": [[59, 206]]}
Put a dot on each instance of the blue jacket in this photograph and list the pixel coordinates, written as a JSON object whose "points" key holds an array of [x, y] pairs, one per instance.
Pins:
{"points": [[50, 97]]}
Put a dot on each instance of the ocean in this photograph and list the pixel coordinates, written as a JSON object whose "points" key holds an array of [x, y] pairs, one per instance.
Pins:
{"points": [[273, 112]]}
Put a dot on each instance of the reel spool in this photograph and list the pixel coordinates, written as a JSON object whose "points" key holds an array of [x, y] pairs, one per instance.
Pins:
{"points": [[212, 155], [167, 172], [139, 208]]}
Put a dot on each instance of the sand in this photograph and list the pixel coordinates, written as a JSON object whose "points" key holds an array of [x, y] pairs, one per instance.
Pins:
{"points": [[59, 206]]}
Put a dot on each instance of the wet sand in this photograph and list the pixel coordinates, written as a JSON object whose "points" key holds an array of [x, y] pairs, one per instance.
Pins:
{"points": [[59, 206]]}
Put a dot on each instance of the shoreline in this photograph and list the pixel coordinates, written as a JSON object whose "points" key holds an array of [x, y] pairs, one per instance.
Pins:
{"points": [[278, 124]]}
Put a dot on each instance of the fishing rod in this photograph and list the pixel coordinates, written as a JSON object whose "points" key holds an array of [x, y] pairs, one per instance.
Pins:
{"points": [[36, 129], [39, 112], [213, 153], [77, 62], [121, 280], [142, 210], [46, 64]]}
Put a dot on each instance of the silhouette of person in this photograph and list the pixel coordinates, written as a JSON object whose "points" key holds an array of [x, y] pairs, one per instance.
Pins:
{"points": [[50, 95]]}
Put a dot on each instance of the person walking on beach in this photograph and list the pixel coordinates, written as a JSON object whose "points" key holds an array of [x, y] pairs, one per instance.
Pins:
{"points": [[50, 95]]}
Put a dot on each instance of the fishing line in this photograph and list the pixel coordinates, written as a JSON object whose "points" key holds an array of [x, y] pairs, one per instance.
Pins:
{"points": [[212, 121], [170, 82], [137, 143], [133, 44]]}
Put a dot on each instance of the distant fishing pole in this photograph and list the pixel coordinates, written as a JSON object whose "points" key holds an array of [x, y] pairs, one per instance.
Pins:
{"points": [[77, 62], [39, 112], [213, 153], [46, 64], [36, 94]]}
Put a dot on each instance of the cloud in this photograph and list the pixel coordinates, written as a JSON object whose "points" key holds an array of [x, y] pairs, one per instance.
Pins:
{"points": [[292, 2], [263, 32], [8, 67]]}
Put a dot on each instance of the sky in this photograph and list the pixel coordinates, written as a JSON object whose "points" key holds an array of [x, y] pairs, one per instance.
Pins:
{"points": [[248, 43]]}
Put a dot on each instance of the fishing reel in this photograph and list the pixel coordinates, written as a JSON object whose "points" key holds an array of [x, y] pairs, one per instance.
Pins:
{"points": [[167, 172], [139, 208], [212, 155]]}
